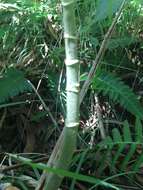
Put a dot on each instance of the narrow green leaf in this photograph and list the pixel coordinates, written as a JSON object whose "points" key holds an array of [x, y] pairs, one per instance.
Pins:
{"points": [[138, 131], [65, 173], [78, 168], [132, 148], [128, 156], [117, 139], [108, 145], [103, 162], [127, 132], [116, 135], [137, 163], [107, 142]]}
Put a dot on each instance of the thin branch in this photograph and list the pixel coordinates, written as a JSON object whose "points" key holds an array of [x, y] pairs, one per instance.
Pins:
{"points": [[100, 54]]}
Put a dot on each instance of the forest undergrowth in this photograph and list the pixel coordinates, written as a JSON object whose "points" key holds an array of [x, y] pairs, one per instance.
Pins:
{"points": [[109, 152]]}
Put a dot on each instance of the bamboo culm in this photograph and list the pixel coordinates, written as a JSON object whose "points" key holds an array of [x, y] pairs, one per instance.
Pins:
{"points": [[62, 154]]}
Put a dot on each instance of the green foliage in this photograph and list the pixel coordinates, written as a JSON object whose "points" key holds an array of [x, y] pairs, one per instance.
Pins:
{"points": [[122, 148], [119, 154], [12, 82], [121, 42], [111, 7], [118, 91], [65, 173], [27, 32], [27, 41]]}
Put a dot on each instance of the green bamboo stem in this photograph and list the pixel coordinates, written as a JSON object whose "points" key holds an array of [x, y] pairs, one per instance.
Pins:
{"points": [[63, 151]]}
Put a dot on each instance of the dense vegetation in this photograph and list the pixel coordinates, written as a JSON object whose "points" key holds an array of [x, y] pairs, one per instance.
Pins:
{"points": [[34, 96]]}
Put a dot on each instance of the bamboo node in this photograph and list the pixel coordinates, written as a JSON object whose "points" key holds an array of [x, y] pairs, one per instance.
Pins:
{"points": [[70, 62], [68, 36], [64, 4], [74, 124], [73, 88]]}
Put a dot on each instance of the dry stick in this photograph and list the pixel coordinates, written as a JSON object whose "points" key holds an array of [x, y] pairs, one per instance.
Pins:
{"points": [[84, 89]]}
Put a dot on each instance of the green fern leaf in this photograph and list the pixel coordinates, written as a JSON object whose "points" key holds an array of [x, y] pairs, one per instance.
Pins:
{"points": [[127, 132], [138, 138], [128, 156], [116, 135], [119, 92], [104, 162], [137, 163], [118, 151], [12, 83], [121, 42], [108, 144], [138, 131], [117, 138], [128, 138]]}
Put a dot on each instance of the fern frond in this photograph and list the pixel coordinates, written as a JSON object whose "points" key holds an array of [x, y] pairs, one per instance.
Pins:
{"points": [[121, 42], [117, 138], [119, 92], [138, 130], [128, 137], [12, 83], [123, 147]]}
